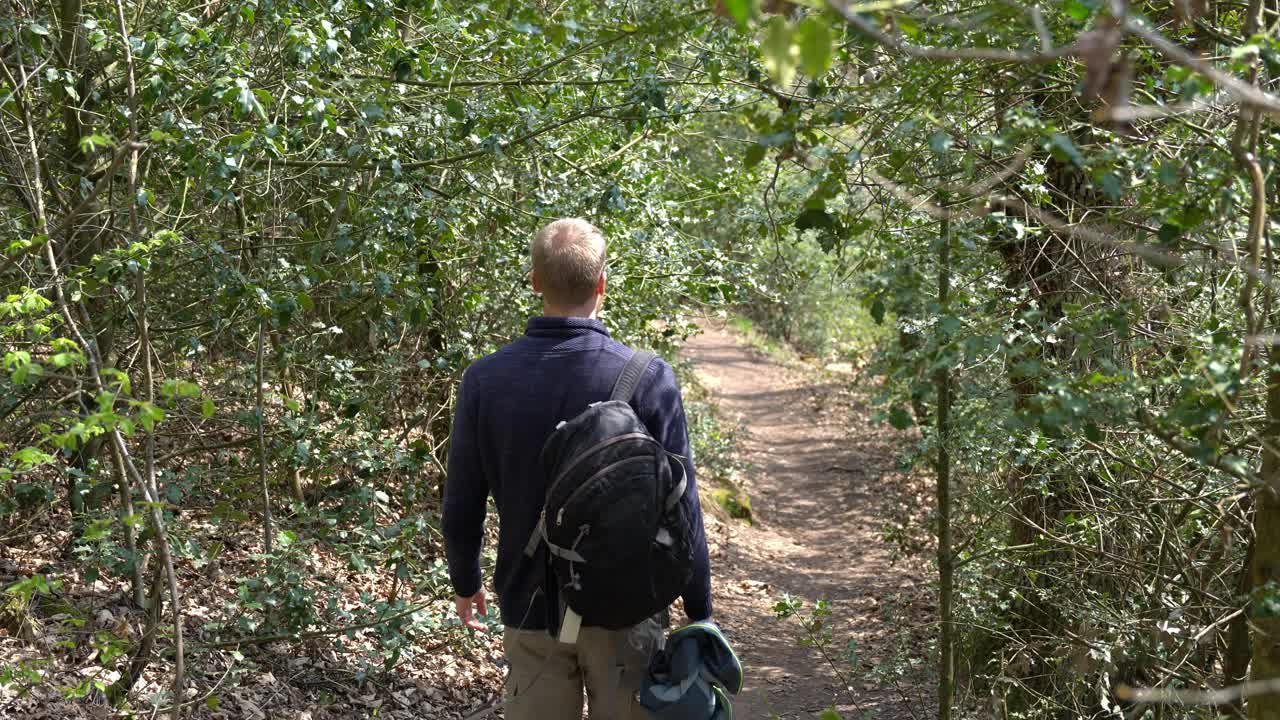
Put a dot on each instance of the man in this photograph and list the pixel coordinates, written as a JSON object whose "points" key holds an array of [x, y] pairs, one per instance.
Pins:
{"points": [[508, 404]]}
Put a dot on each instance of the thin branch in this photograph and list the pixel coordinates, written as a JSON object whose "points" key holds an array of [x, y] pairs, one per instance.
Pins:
{"points": [[150, 488], [127, 150], [518, 82], [203, 448], [1243, 92], [267, 529], [301, 637], [451, 159], [1221, 696], [941, 53]]}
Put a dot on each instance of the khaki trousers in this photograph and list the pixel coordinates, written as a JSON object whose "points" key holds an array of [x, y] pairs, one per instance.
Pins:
{"points": [[547, 676]]}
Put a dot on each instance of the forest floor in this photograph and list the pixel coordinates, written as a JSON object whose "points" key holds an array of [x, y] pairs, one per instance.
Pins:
{"points": [[825, 484]]}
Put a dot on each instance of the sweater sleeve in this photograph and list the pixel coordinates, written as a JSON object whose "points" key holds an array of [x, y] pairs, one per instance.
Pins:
{"points": [[465, 495], [664, 415]]}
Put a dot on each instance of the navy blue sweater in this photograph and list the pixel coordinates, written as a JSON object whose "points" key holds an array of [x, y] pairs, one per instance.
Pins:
{"points": [[508, 404]]}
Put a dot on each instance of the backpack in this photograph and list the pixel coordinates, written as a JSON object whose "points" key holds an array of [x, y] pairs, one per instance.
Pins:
{"points": [[617, 535]]}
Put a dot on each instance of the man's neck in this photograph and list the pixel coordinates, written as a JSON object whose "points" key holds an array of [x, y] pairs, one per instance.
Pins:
{"points": [[589, 313]]}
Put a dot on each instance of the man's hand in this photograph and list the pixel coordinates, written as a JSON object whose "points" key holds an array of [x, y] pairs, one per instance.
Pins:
{"points": [[467, 609]]}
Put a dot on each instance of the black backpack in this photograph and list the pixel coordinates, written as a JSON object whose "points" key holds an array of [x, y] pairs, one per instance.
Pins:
{"points": [[616, 532]]}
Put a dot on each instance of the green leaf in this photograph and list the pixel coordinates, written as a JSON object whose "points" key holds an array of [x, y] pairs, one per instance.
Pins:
{"points": [[456, 109], [149, 415], [830, 714], [29, 587], [780, 51], [1062, 146], [1246, 51], [248, 103], [908, 25], [816, 219], [776, 139], [1079, 10], [1266, 600], [741, 11], [97, 530], [814, 37], [206, 408], [29, 457], [940, 142], [1110, 184], [90, 143], [64, 359], [877, 311], [754, 155], [1092, 432], [900, 418], [1169, 233]]}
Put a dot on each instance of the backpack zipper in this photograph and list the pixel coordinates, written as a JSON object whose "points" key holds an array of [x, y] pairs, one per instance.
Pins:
{"points": [[594, 449], [586, 483]]}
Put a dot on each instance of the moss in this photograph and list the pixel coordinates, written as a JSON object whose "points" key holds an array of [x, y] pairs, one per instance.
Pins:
{"points": [[734, 500]]}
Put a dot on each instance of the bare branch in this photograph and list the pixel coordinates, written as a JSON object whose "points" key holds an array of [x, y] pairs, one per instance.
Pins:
{"points": [[1222, 696], [1242, 91]]}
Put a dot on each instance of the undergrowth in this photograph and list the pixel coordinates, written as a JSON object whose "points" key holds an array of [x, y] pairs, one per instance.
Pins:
{"points": [[715, 444]]}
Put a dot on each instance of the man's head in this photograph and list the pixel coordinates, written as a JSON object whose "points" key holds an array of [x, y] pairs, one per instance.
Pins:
{"points": [[568, 267]]}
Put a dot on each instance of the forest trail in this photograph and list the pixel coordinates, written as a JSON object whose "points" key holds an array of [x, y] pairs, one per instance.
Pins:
{"points": [[823, 482]]}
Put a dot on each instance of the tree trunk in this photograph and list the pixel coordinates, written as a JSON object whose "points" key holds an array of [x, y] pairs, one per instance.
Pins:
{"points": [[1264, 571], [1264, 568], [942, 377], [1235, 661]]}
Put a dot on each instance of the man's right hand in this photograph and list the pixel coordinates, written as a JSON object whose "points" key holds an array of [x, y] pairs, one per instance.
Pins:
{"points": [[467, 609]]}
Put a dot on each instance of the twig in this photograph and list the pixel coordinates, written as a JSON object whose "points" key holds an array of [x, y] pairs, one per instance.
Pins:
{"points": [[127, 150], [518, 82], [194, 701], [488, 708], [451, 159], [1221, 696], [267, 529], [1243, 92], [151, 489], [302, 637], [940, 53], [203, 448]]}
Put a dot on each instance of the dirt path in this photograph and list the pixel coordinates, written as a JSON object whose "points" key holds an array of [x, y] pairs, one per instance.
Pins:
{"points": [[823, 482]]}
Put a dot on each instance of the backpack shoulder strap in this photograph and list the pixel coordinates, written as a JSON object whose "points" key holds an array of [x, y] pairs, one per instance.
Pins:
{"points": [[629, 379]]}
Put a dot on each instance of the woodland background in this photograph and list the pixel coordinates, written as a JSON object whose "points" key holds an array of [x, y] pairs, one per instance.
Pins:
{"points": [[248, 247]]}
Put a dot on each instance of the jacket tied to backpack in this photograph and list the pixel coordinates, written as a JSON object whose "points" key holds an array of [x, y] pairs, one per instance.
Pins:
{"points": [[689, 678]]}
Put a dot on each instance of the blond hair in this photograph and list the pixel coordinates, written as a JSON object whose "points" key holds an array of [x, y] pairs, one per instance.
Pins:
{"points": [[568, 257]]}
